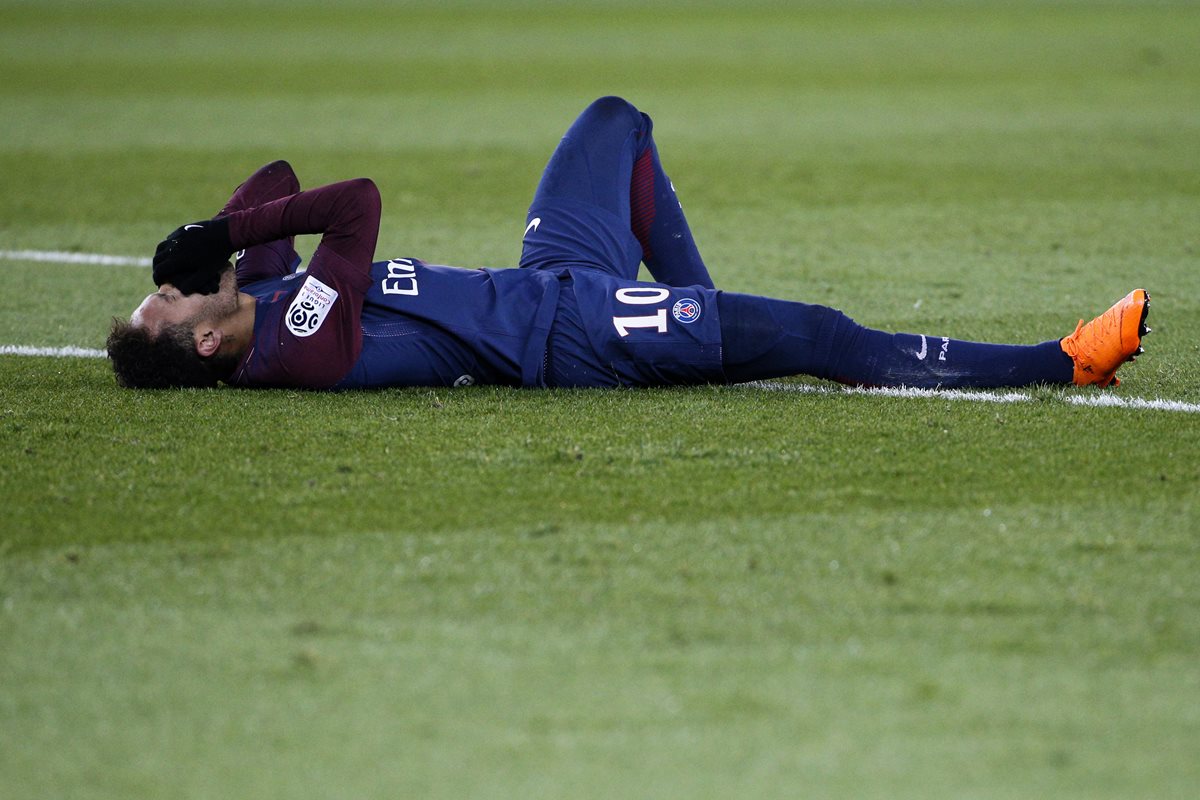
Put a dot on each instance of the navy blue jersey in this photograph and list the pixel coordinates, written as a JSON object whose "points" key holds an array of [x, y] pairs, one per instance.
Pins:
{"points": [[430, 325], [421, 325]]}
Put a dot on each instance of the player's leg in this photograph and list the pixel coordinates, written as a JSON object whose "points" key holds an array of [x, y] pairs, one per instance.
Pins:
{"points": [[611, 332], [657, 220], [765, 338], [270, 260], [604, 201]]}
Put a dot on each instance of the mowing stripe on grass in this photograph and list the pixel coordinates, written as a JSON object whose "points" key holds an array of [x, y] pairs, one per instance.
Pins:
{"points": [[61, 257]]}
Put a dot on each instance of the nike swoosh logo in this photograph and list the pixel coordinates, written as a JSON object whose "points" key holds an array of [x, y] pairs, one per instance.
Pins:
{"points": [[924, 348], [533, 225], [189, 227]]}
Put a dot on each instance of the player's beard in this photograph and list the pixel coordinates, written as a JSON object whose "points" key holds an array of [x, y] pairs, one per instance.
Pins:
{"points": [[223, 302], [217, 307]]}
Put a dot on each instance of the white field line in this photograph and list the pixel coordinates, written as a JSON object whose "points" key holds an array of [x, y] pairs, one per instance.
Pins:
{"points": [[1107, 401], [51, 352], [1103, 401], [61, 257]]}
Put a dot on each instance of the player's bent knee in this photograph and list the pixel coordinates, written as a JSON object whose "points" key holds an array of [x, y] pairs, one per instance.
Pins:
{"points": [[614, 109]]}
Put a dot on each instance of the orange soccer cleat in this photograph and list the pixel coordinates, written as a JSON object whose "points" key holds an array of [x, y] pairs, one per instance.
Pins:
{"points": [[1104, 344]]}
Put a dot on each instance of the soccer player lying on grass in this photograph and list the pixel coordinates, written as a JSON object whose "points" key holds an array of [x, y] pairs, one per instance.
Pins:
{"points": [[573, 314]]}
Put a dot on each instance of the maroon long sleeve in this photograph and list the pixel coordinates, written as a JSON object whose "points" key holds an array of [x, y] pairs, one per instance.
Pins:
{"points": [[347, 213], [273, 259], [315, 342]]}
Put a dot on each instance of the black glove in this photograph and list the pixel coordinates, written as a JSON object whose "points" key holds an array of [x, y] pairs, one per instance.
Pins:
{"points": [[193, 257]]}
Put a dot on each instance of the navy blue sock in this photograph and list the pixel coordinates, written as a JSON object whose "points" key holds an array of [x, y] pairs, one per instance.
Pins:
{"points": [[767, 338]]}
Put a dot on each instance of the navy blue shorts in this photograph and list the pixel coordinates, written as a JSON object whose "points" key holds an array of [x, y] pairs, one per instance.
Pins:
{"points": [[611, 332]]}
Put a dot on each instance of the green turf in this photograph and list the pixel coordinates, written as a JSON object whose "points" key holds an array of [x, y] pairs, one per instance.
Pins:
{"points": [[706, 592]]}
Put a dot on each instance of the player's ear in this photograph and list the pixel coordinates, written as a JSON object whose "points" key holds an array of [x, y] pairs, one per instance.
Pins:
{"points": [[208, 340]]}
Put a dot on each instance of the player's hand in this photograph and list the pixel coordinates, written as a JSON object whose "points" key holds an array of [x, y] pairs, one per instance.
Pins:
{"points": [[193, 257]]}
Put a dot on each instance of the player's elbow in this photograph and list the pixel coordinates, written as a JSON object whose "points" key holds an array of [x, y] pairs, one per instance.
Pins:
{"points": [[357, 203], [365, 189], [366, 197], [284, 176], [365, 193]]}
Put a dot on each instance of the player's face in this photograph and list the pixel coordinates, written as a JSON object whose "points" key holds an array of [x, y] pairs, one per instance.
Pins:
{"points": [[169, 306]]}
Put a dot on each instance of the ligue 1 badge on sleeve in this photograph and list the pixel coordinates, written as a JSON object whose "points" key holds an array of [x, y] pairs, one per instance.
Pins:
{"points": [[686, 311], [308, 310]]}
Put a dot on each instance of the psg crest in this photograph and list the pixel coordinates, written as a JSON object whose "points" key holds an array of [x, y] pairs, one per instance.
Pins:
{"points": [[686, 311]]}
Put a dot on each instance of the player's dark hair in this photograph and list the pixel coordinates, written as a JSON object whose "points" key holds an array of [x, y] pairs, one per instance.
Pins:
{"points": [[166, 361]]}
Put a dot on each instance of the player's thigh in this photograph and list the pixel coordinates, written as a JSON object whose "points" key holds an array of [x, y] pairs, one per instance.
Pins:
{"points": [[629, 333]]}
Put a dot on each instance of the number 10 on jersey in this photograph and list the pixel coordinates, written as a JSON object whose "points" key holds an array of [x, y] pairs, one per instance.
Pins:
{"points": [[642, 296]]}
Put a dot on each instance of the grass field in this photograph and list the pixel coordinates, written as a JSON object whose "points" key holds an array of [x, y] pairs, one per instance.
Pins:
{"points": [[706, 592]]}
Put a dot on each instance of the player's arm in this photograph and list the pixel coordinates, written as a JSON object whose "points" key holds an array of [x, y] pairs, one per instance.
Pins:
{"points": [[346, 214], [320, 336], [271, 259], [317, 342], [268, 182]]}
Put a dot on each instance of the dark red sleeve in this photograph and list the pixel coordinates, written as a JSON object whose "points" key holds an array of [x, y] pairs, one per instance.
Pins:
{"points": [[272, 259], [269, 182], [318, 339], [347, 213]]}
